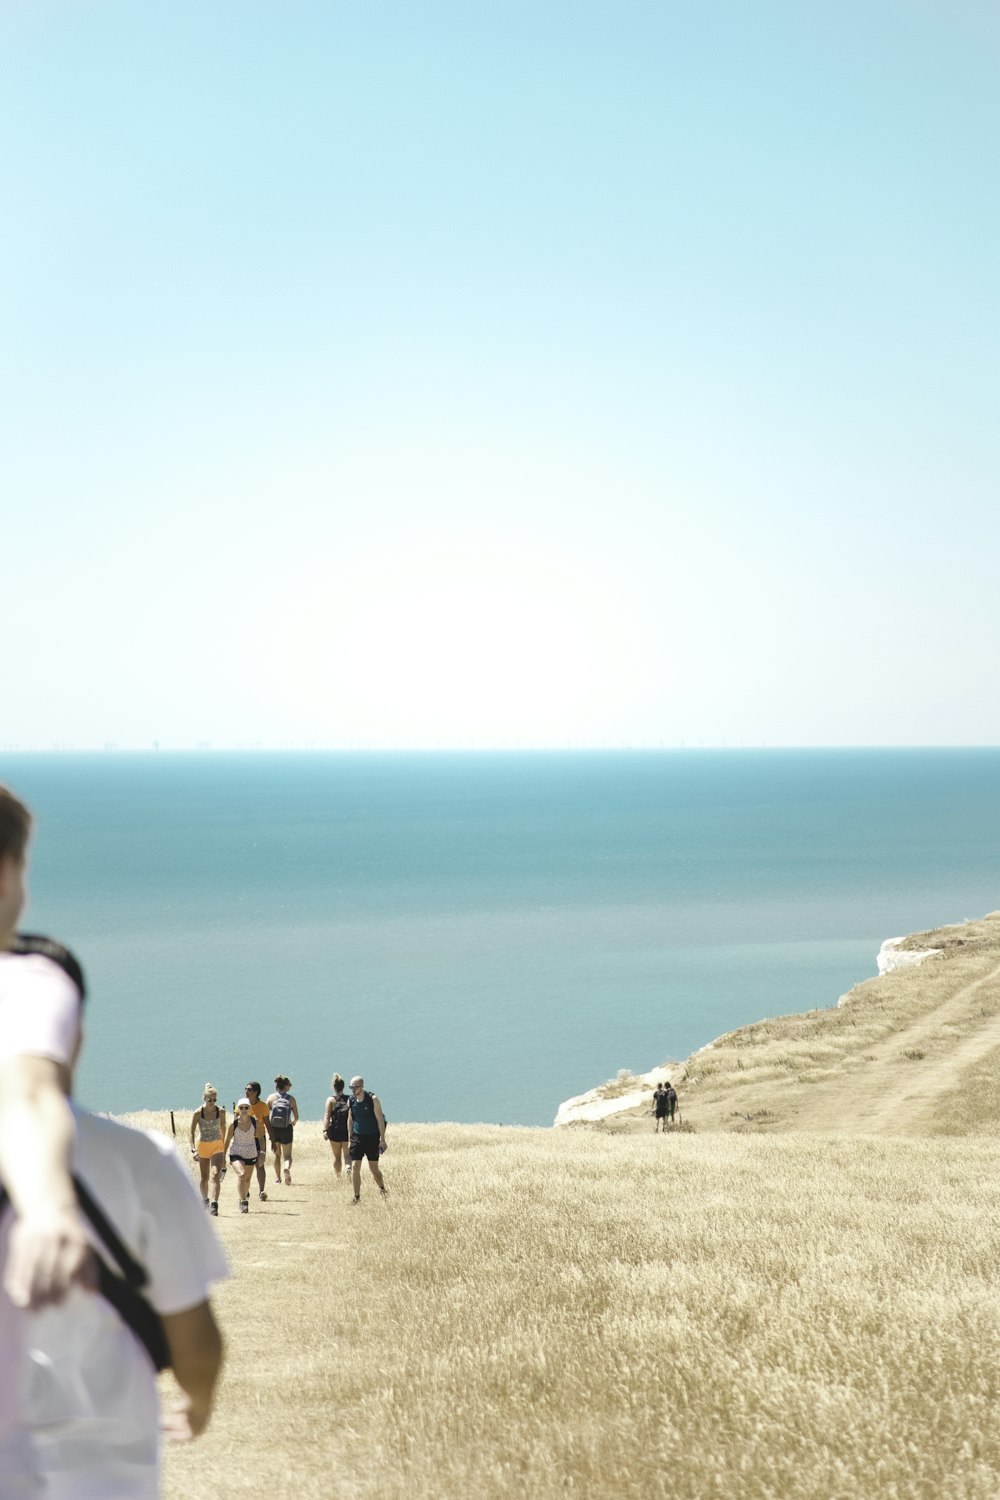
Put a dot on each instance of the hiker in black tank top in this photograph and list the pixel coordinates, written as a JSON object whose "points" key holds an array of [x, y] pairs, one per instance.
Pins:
{"points": [[336, 1126], [367, 1136]]}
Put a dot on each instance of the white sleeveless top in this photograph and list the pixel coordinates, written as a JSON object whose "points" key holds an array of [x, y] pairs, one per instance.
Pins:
{"points": [[244, 1142]]}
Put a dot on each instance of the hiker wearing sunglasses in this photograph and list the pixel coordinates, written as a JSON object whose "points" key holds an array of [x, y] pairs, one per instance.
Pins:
{"points": [[367, 1136], [262, 1115], [242, 1142], [106, 1256]]}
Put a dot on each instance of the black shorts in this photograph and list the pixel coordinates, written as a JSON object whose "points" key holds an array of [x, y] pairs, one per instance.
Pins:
{"points": [[335, 1135], [281, 1135], [245, 1160], [364, 1145]]}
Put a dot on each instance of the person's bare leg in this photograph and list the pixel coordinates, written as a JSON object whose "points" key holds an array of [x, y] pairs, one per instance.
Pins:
{"points": [[356, 1176], [216, 1164], [262, 1176], [204, 1164], [286, 1152], [377, 1174], [277, 1162]]}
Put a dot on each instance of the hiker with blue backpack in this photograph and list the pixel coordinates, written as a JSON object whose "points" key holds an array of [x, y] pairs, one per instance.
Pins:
{"points": [[367, 1135], [282, 1116]]}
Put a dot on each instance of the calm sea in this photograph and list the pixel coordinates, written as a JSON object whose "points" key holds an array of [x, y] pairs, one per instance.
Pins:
{"points": [[480, 935]]}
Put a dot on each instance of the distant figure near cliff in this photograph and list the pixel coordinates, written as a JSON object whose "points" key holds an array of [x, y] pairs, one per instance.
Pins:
{"points": [[664, 1103]]}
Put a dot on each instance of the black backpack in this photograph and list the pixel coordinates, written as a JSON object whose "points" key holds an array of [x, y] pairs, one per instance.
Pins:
{"points": [[338, 1115]]}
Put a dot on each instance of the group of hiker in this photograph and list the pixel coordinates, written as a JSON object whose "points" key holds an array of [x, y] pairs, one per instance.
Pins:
{"points": [[354, 1125]]}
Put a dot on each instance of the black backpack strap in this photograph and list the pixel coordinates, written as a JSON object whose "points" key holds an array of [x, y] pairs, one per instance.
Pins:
{"points": [[134, 1274], [140, 1315], [122, 1292], [28, 942]]}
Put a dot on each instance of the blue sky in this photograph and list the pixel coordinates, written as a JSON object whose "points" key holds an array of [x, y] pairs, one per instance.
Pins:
{"points": [[518, 374]]}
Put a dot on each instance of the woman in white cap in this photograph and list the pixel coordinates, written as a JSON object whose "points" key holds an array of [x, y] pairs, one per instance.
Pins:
{"points": [[242, 1144]]}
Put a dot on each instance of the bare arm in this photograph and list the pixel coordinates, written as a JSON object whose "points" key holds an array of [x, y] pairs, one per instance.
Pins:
{"points": [[229, 1136], [380, 1117], [295, 1109], [194, 1121], [49, 1249], [196, 1353], [328, 1117]]}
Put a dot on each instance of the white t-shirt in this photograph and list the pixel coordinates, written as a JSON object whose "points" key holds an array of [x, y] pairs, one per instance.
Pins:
{"points": [[90, 1417], [79, 1418], [39, 1008]]}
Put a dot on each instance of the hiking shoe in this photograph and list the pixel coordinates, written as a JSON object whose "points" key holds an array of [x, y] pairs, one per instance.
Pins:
{"points": [[213, 1209], [355, 1200], [384, 1192], [244, 1206], [263, 1196]]}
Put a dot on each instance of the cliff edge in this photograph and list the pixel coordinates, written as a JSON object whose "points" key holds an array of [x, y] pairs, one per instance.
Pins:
{"points": [[915, 1051]]}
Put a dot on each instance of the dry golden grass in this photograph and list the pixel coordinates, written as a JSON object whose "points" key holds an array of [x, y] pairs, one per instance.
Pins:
{"points": [[790, 1303], [559, 1313]]}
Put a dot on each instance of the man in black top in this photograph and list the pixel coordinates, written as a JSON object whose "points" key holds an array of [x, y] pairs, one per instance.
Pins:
{"points": [[367, 1135]]}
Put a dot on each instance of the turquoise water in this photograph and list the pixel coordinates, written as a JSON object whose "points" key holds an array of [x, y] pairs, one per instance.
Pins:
{"points": [[481, 935]]}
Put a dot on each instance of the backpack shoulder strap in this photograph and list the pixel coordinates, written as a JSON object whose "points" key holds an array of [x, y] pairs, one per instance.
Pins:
{"points": [[30, 942], [123, 1292]]}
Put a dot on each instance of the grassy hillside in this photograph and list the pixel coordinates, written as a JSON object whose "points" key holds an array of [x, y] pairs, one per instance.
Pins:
{"points": [[550, 1313], [796, 1300]]}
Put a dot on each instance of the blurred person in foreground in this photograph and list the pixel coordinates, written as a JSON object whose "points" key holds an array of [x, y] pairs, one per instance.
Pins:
{"points": [[367, 1135], [79, 1418]]}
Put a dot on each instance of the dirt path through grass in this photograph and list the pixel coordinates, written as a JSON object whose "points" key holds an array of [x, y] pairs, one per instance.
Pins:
{"points": [[898, 1092]]}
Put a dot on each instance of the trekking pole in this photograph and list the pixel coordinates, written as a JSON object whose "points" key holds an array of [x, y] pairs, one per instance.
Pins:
{"points": [[173, 1127]]}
